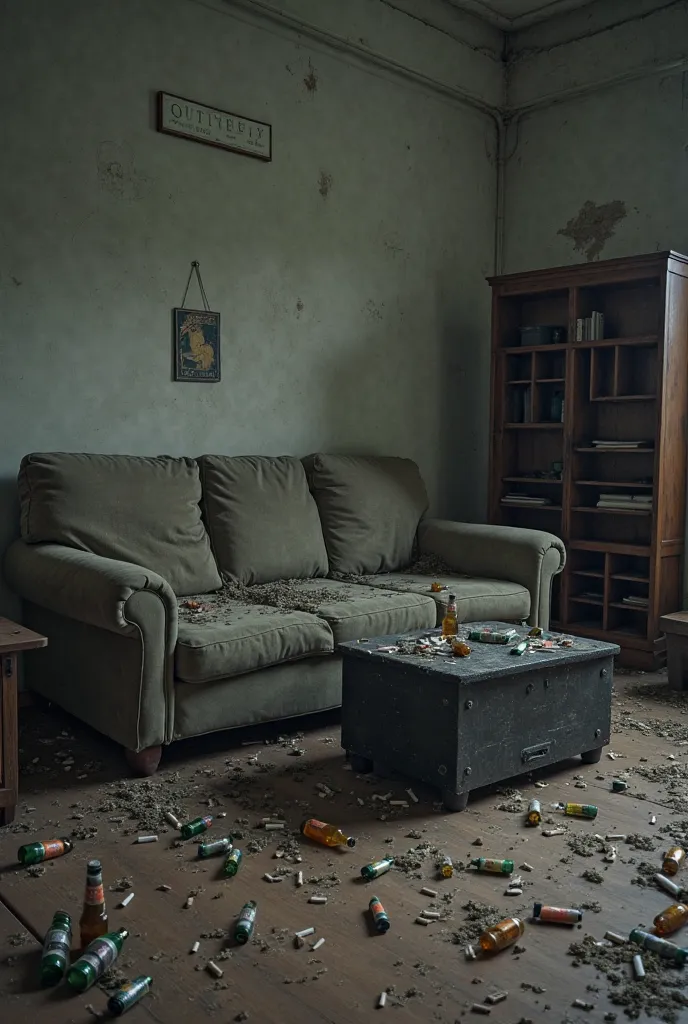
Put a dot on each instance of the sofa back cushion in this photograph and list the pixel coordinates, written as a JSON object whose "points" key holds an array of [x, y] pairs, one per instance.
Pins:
{"points": [[370, 507], [134, 509], [262, 519]]}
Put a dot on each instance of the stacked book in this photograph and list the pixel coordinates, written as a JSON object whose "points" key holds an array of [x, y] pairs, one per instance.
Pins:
{"points": [[627, 502], [621, 446], [525, 500], [590, 328], [636, 602]]}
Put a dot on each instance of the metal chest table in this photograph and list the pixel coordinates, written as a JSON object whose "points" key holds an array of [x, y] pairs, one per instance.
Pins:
{"points": [[462, 723]]}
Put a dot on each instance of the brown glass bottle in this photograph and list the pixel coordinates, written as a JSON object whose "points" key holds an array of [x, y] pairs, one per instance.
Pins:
{"points": [[94, 920]]}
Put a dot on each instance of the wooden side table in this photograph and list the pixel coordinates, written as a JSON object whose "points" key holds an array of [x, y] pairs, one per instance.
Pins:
{"points": [[675, 626], [13, 639]]}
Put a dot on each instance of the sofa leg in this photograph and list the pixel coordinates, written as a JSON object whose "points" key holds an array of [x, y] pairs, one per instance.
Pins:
{"points": [[143, 762]]}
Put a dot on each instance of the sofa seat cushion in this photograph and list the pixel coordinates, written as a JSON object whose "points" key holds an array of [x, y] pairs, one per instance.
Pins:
{"points": [[477, 599], [262, 519], [133, 509], [370, 508], [229, 638], [353, 611]]}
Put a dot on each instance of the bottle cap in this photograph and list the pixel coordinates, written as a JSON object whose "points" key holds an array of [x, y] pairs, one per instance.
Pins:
{"points": [[351, 842], [537, 907]]}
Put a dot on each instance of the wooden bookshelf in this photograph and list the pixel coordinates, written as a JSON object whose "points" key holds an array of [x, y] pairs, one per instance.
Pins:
{"points": [[552, 402]]}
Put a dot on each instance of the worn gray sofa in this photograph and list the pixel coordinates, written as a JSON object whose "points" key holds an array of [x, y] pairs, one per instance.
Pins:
{"points": [[121, 564]]}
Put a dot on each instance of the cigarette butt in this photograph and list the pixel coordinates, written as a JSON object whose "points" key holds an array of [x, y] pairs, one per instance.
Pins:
{"points": [[615, 838], [299, 878], [612, 757], [317, 945], [196, 946], [221, 814], [470, 953], [304, 932], [432, 915], [638, 967], [212, 967], [428, 892], [164, 888], [381, 1000], [480, 1008], [525, 867], [398, 803], [175, 822], [412, 795], [360, 802], [614, 937], [189, 902], [127, 900], [553, 832], [542, 785], [582, 1005], [272, 878], [496, 997], [653, 819], [423, 920], [147, 839], [274, 826], [513, 891], [317, 899]]}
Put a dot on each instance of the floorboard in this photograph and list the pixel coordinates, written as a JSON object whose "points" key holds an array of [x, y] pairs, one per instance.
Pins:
{"points": [[269, 979]]}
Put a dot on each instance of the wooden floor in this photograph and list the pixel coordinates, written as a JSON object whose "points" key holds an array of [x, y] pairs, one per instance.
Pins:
{"points": [[270, 980]]}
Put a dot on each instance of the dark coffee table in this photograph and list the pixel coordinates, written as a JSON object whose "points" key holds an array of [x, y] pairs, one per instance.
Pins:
{"points": [[462, 723]]}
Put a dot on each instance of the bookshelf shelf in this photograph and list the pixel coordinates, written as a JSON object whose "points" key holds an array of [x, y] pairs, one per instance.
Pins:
{"points": [[610, 389]]}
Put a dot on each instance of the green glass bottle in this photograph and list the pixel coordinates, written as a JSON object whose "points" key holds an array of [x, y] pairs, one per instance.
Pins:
{"points": [[195, 827], [56, 948], [245, 922], [128, 995], [34, 853], [232, 862], [492, 866], [377, 868], [96, 959], [214, 848]]}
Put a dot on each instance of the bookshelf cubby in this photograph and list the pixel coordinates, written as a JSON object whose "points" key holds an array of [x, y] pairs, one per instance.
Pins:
{"points": [[589, 437]]}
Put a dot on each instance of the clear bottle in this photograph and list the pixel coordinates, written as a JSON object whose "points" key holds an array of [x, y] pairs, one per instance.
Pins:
{"points": [[34, 853], [673, 860], [380, 919], [576, 810], [96, 959], [328, 835], [663, 947], [671, 919], [128, 995], [246, 922], [501, 935], [94, 918], [232, 862], [216, 847], [195, 827], [492, 866], [56, 949], [377, 868], [446, 867], [450, 622]]}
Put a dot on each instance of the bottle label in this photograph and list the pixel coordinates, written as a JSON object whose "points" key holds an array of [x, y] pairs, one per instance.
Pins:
{"points": [[94, 895], [53, 848], [101, 954], [316, 826], [57, 939], [495, 866], [376, 908], [248, 914]]}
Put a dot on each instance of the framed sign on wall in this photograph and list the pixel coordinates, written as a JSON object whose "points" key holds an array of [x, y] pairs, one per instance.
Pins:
{"points": [[196, 121]]}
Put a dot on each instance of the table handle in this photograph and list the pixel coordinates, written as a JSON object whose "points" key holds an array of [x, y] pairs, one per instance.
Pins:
{"points": [[534, 753]]}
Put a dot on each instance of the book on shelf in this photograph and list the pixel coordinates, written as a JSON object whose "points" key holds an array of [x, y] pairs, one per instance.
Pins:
{"points": [[626, 506], [525, 499], [625, 445], [641, 498], [590, 328], [636, 602]]}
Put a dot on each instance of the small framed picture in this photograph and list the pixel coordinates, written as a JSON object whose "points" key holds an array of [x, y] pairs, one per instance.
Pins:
{"points": [[196, 338]]}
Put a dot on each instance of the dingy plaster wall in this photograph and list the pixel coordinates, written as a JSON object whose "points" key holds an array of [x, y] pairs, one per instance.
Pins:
{"points": [[602, 174], [349, 272]]}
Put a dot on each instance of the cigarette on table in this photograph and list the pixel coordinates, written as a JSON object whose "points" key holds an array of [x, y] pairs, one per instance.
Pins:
{"points": [[127, 900], [317, 945], [195, 948], [173, 820], [381, 1000], [317, 899], [147, 839], [304, 932], [214, 969], [415, 800], [428, 892]]}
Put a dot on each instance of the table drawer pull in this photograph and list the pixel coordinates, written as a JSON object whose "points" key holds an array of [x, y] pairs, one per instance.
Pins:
{"points": [[533, 753]]}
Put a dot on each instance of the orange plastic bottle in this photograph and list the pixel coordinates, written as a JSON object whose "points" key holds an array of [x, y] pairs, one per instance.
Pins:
{"points": [[328, 835], [501, 935], [671, 919]]}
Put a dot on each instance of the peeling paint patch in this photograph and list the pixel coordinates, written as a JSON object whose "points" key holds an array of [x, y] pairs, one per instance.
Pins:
{"points": [[299, 308], [324, 184], [117, 174], [593, 226], [311, 79], [372, 310], [15, 281]]}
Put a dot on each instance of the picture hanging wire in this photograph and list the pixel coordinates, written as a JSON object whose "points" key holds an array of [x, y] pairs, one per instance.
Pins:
{"points": [[195, 266]]}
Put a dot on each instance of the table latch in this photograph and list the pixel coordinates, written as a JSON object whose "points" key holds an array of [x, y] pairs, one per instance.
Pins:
{"points": [[529, 754]]}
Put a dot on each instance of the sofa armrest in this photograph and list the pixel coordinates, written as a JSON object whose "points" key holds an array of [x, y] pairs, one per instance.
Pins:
{"points": [[99, 591], [529, 557]]}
